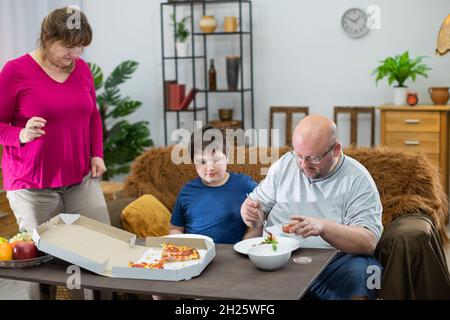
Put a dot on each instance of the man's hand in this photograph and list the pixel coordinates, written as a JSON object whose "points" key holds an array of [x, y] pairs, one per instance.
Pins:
{"points": [[253, 233], [32, 130], [348, 239], [97, 167], [251, 213], [307, 226]]}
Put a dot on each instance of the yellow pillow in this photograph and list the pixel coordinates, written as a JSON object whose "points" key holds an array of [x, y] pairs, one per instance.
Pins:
{"points": [[146, 217]]}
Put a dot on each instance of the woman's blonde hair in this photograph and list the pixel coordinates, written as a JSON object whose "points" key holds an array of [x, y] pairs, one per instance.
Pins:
{"points": [[67, 25]]}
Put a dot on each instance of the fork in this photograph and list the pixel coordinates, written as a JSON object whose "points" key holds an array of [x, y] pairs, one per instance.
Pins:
{"points": [[264, 227]]}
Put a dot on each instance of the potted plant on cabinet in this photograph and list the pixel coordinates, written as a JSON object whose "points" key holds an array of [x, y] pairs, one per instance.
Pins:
{"points": [[399, 69], [181, 34]]}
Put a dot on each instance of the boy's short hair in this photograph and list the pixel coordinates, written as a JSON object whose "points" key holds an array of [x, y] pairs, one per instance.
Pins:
{"points": [[209, 138]]}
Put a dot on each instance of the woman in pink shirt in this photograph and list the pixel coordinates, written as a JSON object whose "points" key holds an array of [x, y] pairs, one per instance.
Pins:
{"points": [[50, 126]]}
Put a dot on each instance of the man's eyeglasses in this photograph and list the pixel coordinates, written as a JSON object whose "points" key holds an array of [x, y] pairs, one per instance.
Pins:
{"points": [[311, 159]]}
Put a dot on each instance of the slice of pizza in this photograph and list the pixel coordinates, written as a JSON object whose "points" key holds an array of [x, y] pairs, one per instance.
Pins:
{"points": [[156, 265], [173, 253]]}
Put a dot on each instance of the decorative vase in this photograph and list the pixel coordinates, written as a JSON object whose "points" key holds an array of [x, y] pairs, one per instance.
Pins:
{"points": [[439, 95], [208, 24], [226, 114], [230, 24], [233, 64], [400, 95], [182, 49], [412, 98]]}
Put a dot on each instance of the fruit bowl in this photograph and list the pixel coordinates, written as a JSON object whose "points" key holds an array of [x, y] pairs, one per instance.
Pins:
{"points": [[25, 262], [20, 252]]}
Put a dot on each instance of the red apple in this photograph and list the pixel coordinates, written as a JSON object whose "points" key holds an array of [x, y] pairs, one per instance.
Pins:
{"points": [[24, 250]]}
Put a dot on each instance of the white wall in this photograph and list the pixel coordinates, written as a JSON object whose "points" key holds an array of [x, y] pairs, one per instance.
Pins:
{"points": [[125, 30], [301, 55]]}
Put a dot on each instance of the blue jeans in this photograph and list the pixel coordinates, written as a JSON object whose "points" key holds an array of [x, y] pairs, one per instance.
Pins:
{"points": [[345, 277]]}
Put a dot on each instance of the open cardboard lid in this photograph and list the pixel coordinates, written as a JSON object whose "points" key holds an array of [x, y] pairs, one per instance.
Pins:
{"points": [[85, 242], [107, 250]]}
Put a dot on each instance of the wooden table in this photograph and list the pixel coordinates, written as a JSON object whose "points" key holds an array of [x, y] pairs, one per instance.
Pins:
{"points": [[229, 276]]}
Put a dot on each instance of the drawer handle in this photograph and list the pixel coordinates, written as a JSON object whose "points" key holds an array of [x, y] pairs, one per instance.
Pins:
{"points": [[412, 143], [3, 215], [412, 121]]}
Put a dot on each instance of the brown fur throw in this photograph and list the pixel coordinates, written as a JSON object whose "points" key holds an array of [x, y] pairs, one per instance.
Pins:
{"points": [[408, 183]]}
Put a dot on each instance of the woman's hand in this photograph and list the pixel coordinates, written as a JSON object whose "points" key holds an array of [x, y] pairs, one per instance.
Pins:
{"points": [[97, 167], [32, 130]]}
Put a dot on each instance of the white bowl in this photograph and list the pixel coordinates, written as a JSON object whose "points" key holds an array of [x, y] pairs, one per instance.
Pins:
{"points": [[264, 257]]}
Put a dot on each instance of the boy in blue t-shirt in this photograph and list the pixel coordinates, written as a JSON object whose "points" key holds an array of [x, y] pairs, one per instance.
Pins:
{"points": [[210, 204]]}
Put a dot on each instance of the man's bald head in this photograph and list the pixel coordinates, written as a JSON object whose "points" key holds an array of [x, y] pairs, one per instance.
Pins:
{"points": [[315, 132]]}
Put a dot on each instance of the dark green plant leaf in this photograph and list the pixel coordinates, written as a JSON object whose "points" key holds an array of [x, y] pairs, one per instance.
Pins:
{"points": [[122, 141], [112, 96], [125, 108], [97, 74], [400, 68], [181, 31], [120, 74]]}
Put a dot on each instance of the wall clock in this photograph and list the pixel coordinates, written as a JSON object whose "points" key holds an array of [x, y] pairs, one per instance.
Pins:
{"points": [[354, 22]]}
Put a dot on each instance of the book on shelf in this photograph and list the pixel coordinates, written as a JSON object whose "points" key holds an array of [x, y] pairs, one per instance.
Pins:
{"points": [[167, 84], [176, 95], [188, 99]]}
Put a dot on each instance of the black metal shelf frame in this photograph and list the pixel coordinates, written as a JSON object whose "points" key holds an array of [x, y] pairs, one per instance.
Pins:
{"points": [[197, 2], [194, 57]]}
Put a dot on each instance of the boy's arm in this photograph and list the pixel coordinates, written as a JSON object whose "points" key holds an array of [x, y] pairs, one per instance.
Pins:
{"points": [[175, 229]]}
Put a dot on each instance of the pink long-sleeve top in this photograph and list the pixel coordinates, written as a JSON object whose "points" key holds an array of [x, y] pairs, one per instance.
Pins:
{"points": [[73, 132]]}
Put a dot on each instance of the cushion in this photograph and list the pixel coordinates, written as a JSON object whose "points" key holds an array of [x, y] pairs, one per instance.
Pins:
{"points": [[115, 208], [146, 217]]}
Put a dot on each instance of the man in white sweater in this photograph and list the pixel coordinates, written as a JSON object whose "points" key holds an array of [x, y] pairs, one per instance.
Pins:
{"points": [[330, 200]]}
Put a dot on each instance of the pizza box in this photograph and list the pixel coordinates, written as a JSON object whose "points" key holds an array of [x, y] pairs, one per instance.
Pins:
{"points": [[107, 250]]}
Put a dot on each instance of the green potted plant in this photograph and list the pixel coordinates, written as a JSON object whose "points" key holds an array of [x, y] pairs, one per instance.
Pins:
{"points": [[181, 35], [122, 141], [399, 69]]}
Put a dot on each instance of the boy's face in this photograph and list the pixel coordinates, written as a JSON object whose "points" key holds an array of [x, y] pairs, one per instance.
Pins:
{"points": [[211, 167]]}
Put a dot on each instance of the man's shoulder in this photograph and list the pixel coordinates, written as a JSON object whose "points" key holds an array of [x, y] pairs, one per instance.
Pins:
{"points": [[354, 165], [358, 171], [283, 163]]}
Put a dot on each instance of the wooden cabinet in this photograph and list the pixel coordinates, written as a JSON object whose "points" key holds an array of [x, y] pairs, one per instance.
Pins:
{"points": [[8, 225], [422, 129]]}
